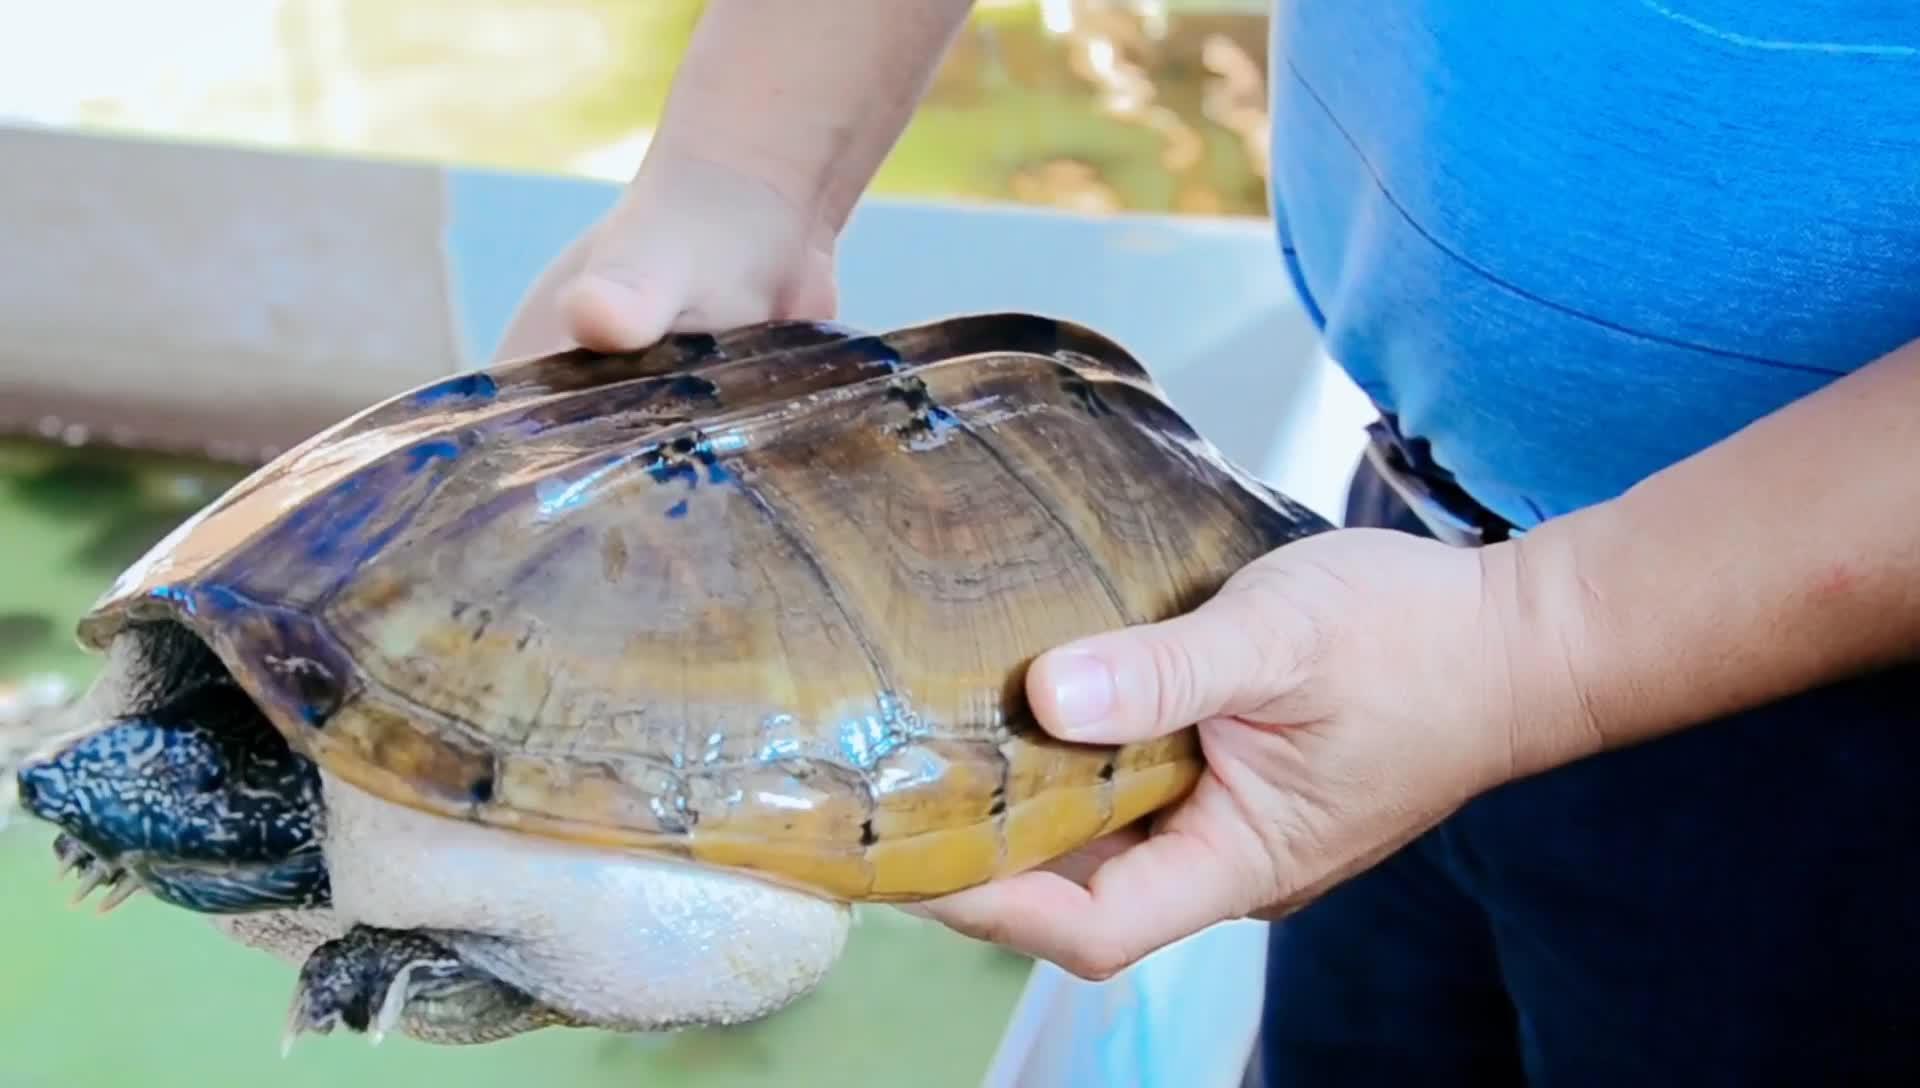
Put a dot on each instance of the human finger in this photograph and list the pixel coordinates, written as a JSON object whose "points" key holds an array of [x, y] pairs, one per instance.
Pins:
{"points": [[1158, 891], [620, 306], [1225, 658], [1077, 866]]}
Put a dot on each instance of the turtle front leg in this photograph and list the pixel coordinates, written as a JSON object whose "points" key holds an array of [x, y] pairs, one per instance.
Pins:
{"points": [[373, 980], [211, 818], [297, 882]]}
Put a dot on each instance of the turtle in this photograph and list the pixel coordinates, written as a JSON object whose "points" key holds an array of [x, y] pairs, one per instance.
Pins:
{"points": [[596, 690]]}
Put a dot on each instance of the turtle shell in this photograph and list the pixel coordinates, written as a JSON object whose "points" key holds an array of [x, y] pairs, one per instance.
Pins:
{"points": [[761, 600]]}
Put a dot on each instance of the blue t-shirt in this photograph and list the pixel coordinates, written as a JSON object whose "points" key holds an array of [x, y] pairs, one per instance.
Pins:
{"points": [[1570, 242]]}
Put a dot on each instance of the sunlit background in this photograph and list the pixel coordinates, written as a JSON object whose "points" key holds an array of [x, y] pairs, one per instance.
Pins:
{"points": [[1155, 105], [1072, 104]]}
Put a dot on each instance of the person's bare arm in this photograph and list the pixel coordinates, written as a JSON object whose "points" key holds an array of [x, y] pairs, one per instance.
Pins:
{"points": [[1781, 559], [807, 95]]}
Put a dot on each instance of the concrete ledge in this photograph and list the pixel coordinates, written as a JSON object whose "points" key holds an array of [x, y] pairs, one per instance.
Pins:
{"points": [[232, 301], [184, 297]]}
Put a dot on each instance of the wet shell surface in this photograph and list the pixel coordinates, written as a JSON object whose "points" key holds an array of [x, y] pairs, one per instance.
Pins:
{"points": [[762, 600]]}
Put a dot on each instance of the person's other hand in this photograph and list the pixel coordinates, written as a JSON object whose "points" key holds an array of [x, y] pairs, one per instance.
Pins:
{"points": [[691, 246], [1351, 689]]}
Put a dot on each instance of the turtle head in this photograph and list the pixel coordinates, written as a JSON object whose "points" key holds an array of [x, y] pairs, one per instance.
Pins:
{"points": [[206, 816], [136, 786]]}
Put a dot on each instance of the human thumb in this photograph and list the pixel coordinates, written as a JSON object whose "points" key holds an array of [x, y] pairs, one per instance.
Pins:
{"points": [[607, 313], [628, 290], [1144, 681], [619, 305]]}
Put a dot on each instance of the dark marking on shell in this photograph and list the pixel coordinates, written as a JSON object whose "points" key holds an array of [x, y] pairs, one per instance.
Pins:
{"points": [[1155, 414], [673, 810], [678, 509], [870, 349], [910, 391], [477, 385], [693, 387], [677, 460], [926, 417], [668, 465], [480, 628], [425, 453], [1019, 721], [867, 836], [311, 683], [481, 791], [1106, 770], [701, 345], [1083, 392]]}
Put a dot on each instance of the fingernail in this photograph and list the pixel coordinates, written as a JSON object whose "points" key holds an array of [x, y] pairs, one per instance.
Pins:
{"points": [[1083, 692]]}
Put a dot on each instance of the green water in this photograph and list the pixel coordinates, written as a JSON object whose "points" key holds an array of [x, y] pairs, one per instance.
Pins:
{"points": [[151, 997]]}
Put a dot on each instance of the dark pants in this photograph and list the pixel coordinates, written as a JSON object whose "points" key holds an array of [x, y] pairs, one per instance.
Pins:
{"points": [[1737, 904]]}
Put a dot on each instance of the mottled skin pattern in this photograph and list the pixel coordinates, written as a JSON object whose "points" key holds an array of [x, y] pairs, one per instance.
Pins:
{"points": [[760, 600], [194, 801], [192, 796], [373, 980]]}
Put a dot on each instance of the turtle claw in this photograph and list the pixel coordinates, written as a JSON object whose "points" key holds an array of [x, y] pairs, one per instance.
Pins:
{"points": [[88, 882], [71, 855], [117, 893], [92, 877], [303, 1018], [363, 981], [94, 872], [69, 863], [316, 1010]]}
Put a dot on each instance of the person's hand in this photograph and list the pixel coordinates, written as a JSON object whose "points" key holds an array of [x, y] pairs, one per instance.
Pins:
{"points": [[691, 246], [1351, 689]]}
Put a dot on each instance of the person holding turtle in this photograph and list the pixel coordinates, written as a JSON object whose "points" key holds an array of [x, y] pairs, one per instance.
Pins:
{"points": [[1586, 752]]}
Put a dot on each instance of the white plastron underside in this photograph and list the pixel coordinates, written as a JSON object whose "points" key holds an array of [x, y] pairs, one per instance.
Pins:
{"points": [[619, 941]]}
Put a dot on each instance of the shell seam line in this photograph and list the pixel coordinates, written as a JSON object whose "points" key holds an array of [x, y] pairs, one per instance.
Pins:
{"points": [[1093, 562], [812, 560]]}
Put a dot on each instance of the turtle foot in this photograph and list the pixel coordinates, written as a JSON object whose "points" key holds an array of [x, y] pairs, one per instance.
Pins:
{"points": [[362, 982], [94, 872], [371, 981]]}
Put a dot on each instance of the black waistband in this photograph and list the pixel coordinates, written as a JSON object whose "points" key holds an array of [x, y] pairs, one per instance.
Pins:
{"points": [[1436, 498]]}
